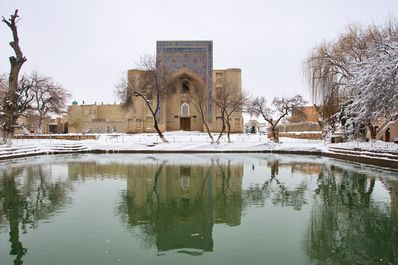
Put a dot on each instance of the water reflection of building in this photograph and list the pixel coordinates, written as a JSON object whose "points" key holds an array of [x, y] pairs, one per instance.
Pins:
{"points": [[93, 169], [302, 167], [180, 204]]}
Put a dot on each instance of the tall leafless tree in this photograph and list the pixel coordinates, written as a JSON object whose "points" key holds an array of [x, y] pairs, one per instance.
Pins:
{"points": [[273, 114], [148, 87], [199, 101], [16, 98], [23, 99], [229, 100]]}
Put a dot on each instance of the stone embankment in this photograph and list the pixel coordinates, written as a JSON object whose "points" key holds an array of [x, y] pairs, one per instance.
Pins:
{"points": [[383, 158], [74, 137], [7, 152]]}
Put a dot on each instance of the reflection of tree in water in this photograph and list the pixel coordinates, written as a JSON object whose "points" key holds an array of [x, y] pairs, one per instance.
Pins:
{"points": [[275, 190], [175, 207], [25, 204], [228, 200], [347, 226], [143, 214]]}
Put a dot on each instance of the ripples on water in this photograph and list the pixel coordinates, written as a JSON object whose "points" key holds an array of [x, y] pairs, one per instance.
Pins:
{"points": [[196, 209]]}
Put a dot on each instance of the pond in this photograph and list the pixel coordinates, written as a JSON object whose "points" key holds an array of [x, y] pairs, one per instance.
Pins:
{"points": [[196, 209]]}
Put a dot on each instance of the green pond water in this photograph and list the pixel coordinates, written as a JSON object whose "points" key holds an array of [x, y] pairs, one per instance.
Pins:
{"points": [[196, 209]]}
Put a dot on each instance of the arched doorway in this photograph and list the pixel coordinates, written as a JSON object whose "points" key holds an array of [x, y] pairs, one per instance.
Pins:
{"points": [[185, 120], [66, 129], [387, 135], [184, 89]]}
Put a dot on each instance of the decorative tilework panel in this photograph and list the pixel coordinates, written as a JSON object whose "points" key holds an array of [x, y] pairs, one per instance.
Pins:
{"points": [[194, 55]]}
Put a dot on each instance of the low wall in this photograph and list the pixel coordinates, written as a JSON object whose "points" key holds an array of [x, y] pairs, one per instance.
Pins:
{"points": [[299, 127], [365, 160], [58, 136], [302, 135]]}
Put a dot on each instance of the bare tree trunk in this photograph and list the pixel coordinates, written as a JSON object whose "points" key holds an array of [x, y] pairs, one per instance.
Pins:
{"points": [[207, 128], [222, 128], [40, 125], [228, 130], [155, 125], [372, 131], [198, 104], [10, 100], [155, 121], [274, 134]]}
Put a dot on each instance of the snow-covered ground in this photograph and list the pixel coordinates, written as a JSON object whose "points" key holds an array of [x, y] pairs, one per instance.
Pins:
{"points": [[370, 146], [178, 141], [187, 142]]}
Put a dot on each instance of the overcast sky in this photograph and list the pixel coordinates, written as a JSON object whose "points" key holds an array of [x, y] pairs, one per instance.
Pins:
{"points": [[87, 45]]}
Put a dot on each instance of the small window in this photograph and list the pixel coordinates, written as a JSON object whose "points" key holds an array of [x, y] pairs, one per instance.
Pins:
{"points": [[185, 182], [185, 86], [149, 122], [237, 122], [130, 124], [219, 93], [139, 123], [184, 109], [219, 79], [185, 173]]}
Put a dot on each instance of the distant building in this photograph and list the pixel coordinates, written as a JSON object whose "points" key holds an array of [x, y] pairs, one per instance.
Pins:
{"points": [[304, 114], [254, 126], [182, 63], [387, 129], [303, 123]]}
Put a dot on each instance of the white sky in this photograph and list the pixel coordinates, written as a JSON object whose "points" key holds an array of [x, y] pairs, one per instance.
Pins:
{"points": [[87, 45]]}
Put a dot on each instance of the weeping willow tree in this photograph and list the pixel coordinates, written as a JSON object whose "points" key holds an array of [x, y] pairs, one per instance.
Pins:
{"points": [[329, 70], [347, 225]]}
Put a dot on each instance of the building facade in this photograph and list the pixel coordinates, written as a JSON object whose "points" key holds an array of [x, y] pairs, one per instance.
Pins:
{"points": [[184, 66]]}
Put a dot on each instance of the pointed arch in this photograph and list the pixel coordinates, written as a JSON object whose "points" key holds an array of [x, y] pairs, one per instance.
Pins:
{"points": [[185, 72], [184, 110]]}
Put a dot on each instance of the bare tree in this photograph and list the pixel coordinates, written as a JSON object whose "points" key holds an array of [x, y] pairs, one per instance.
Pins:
{"points": [[3, 89], [16, 99], [280, 108], [229, 100], [199, 101], [330, 69], [20, 106], [329, 65], [148, 87], [48, 97]]}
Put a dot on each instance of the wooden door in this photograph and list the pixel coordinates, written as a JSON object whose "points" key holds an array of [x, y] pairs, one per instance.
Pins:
{"points": [[387, 135], [185, 124]]}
